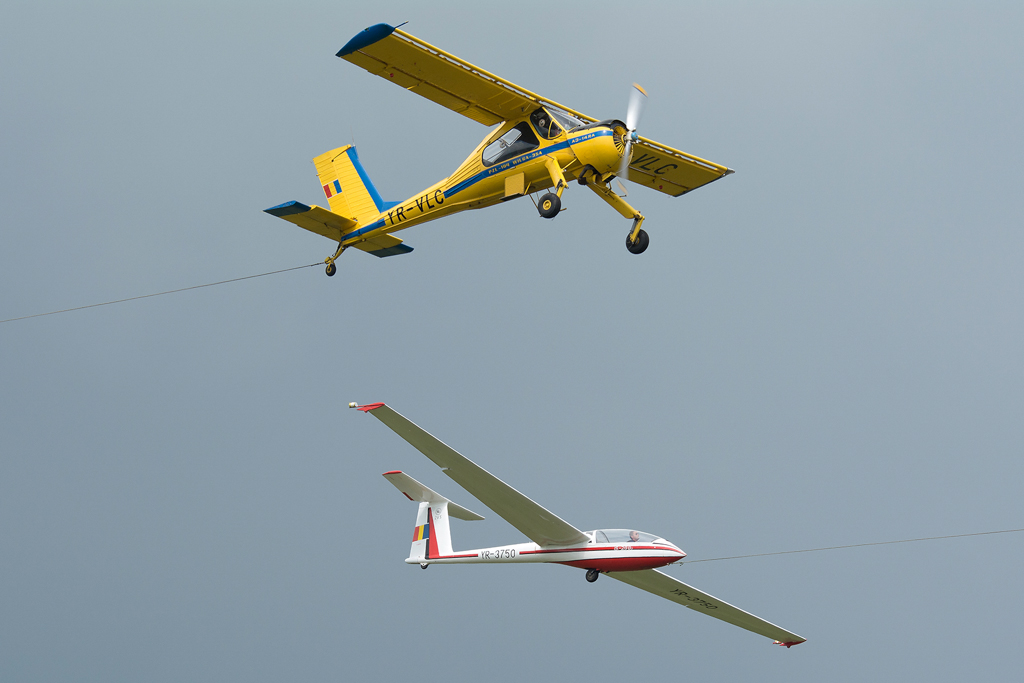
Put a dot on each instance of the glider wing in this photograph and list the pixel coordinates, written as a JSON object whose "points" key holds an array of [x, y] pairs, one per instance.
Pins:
{"points": [[663, 585], [540, 526], [440, 77]]}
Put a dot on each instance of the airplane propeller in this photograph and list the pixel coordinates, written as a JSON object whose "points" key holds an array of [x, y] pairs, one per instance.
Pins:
{"points": [[637, 102]]}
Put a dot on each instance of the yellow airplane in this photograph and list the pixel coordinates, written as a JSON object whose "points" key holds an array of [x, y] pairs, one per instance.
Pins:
{"points": [[538, 145]]}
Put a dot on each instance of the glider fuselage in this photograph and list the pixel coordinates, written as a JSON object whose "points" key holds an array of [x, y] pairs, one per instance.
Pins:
{"points": [[622, 555]]}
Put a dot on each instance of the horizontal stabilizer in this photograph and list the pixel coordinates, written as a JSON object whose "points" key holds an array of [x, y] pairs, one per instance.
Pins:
{"points": [[314, 218], [383, 245], [541, 526], [419, 493]]}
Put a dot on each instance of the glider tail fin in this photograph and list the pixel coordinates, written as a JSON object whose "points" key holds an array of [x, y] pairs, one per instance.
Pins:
{"points": [[431, 535], [348, 189]]}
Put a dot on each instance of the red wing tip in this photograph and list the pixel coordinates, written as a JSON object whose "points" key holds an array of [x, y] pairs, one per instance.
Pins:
{"points": [[790, 643], [369, 406], [392, 472]]}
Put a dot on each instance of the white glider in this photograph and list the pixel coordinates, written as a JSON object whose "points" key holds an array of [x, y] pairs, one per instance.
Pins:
{"points": [[627, 555]]}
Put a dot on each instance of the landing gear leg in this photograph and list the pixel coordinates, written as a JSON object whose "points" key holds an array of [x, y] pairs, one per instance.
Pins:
{"points": [[551, 203], [637, 240], [331, 268], [592, 575]]}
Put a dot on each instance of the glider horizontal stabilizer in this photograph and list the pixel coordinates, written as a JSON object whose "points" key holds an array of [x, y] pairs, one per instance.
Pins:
{"points": [[538, 524], [419, 493]]}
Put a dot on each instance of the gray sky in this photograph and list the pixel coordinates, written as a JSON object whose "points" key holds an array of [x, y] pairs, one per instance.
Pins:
{"points": [[821, 349]]}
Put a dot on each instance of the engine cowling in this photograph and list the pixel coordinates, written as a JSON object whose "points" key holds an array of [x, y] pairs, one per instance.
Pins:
{"points": [[600, 145]]}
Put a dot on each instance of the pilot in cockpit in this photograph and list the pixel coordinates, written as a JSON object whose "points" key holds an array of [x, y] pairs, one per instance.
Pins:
{"points": [[634, 536]]}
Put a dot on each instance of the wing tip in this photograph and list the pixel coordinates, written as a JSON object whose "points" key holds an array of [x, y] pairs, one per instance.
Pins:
{"points": [[392, 251], [365, 409], [287, 209], [790, 643], [368, 36]]}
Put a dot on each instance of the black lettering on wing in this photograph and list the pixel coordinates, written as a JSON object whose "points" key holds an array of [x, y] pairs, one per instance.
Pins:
{"points": [[645, 161]]}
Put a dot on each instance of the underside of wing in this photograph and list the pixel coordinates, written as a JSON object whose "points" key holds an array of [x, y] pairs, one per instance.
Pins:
{"points": [[440, 77], [540, 526], [663, 585], [671, 171]]}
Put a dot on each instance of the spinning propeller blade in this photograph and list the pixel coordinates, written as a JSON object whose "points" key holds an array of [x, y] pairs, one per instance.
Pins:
{"points": [[637, 102]]}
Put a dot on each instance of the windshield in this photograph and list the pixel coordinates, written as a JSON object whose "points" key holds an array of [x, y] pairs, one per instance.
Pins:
{"points": [[567, 120], [624, 536]]}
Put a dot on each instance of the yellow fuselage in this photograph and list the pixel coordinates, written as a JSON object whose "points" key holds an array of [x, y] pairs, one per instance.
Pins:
{"points": [[476, 184]]}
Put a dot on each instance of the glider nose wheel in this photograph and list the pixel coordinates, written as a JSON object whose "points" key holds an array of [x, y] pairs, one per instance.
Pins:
{"points": [[640, 245], [549, 205], [592, 575]]}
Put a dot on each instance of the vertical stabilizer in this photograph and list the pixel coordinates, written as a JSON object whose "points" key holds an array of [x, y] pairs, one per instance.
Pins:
{"points": [[431, 537], [348, 189]]}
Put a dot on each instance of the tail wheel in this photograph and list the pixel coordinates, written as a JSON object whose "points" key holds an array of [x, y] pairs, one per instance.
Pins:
{"points": [[549, 205], [592, 575], [424, 565], [641, 244], [331, 269]]}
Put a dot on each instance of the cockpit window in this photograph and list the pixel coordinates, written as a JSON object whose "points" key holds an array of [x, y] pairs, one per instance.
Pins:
{"points": [[545, 124], [516, 141], [623, 536]]}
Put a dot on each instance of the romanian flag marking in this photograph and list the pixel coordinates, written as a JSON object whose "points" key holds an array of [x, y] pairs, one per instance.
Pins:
{"points": [[422, 532], [332, 188]]}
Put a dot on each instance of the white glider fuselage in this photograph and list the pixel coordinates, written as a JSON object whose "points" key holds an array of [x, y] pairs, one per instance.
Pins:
{"points": [[647, 552]]}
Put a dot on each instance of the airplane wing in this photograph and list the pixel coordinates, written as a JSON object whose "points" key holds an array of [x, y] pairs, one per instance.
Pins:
{"points": [[454, 83], [431, 72], [540, 526], [669, 170], [663, 585]]}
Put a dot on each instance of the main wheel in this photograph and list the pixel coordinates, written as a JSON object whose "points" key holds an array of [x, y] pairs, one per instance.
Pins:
{"points": [[592, 575], [550, 205], [641, 244], [331, 269]]}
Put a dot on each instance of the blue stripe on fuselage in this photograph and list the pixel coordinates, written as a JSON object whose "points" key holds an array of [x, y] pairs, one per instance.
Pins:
{"points": [[483, 175], [512, 163]]}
